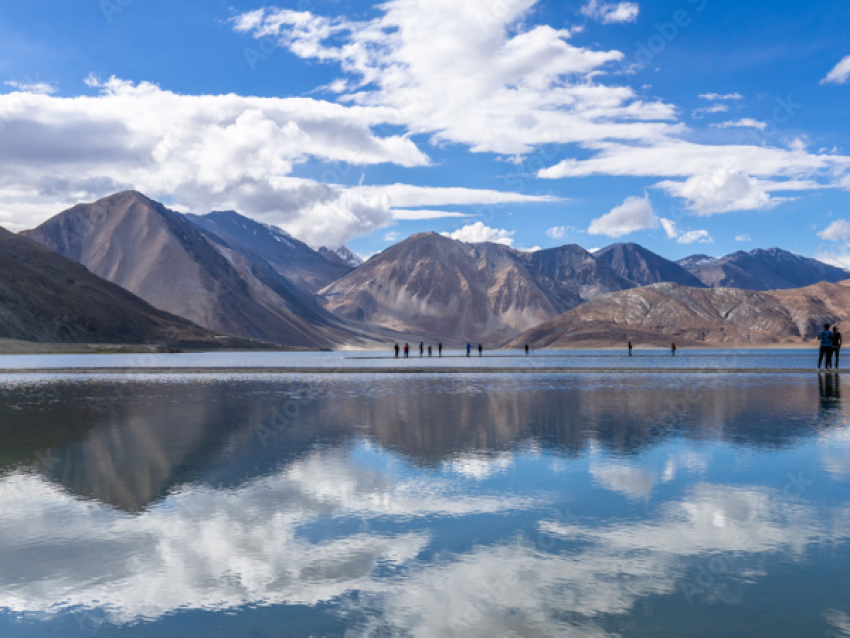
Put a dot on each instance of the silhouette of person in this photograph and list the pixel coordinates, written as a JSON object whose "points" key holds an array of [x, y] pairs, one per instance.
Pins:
{"points": [[836, 346], [673, 349], [440, 350], [430, 351], [480, 350], [396, 351], [421, 350], [825, 353], [526, 350], [468, 349], [630, 348], [406, 350]]}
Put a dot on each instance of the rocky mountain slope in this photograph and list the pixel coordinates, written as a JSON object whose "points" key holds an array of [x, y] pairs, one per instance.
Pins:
{"points": [[643, 267], [665, 313], [341, 256], [306, 268], [162, 257], [47, 298], [451, 290], [772, 269]]}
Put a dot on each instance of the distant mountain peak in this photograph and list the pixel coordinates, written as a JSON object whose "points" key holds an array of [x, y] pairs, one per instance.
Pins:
{"points": [[342, 255]]}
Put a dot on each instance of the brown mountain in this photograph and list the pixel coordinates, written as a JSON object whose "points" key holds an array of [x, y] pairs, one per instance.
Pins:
{"points": [[643, 267], [485, 292], [772, 269], [46, 298], [665, 313], [162, 257], [433, 285]]}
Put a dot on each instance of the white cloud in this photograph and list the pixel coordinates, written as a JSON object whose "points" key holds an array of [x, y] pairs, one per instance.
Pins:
{"points": [[634, 214], [743, 238], [745, 123], [708, 110], [38, 88], [559, 232], [611, 12], [391, 236], [472, 73], [722, 191], [533, 249], [409, 196], [839, 230], [478, 233], [714, 97], [689, 237], [420, 215], [669, 227], [840, 74], [695, 236]]}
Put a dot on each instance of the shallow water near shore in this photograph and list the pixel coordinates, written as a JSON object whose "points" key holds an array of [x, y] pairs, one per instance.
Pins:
{"points": [[802, 359], [384, 505]]}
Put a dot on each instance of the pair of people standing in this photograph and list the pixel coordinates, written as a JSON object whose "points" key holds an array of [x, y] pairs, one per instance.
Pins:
{"points": [[469, 350], [830, 346]]}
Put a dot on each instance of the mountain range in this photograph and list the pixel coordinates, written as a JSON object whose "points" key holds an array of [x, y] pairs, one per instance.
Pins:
{"points": [[663, 313], [177, 266], [46, 298], [772, 269], [225, 274]]}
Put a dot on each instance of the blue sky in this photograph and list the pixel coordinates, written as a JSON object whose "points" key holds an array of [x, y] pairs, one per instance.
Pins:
{"points": [[671, 124]]}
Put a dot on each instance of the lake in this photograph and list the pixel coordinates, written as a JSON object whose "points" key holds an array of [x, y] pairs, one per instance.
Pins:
{"points": [[475, 504]]}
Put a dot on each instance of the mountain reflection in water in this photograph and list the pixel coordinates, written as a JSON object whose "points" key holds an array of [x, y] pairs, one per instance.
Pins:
{"points": [[426, 506]]}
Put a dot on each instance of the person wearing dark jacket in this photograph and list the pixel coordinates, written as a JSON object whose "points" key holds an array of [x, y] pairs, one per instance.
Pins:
{"points": [[396, 351], [825, 338], [836, 345]]}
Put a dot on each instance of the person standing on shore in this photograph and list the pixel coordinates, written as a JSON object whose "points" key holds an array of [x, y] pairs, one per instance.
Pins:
{"points": [[421, 350], [430, 352], [630, 348], [480, 350], [836, 345], [825, 338], [468, 349], [406, 350], [526, 350], [673, 349], [440, 350], [396, 351]]}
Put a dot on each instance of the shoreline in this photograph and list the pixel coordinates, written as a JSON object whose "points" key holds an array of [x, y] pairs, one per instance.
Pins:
{"points": [[4, 372]]}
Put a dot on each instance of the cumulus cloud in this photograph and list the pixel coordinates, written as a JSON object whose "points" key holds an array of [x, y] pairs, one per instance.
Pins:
{"points": [[745, 123], [839, 230], [478, 233], [611, 12], [840, 74], [635, 214], [559, 232], [689, 237], [695, 236], [205, 153], [743, 238], [723, 191], [472, 73]]}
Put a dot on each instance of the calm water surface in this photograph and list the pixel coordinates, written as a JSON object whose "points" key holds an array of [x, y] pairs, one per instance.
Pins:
{"points": [[375, 505]]}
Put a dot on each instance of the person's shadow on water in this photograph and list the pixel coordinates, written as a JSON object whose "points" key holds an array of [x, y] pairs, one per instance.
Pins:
{"points": [[830, 391]]}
